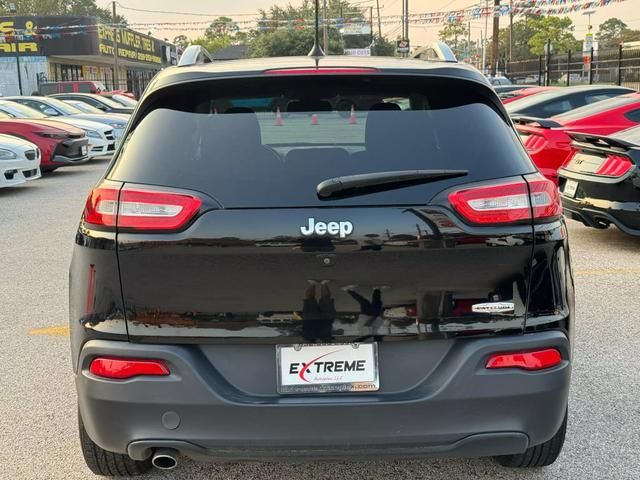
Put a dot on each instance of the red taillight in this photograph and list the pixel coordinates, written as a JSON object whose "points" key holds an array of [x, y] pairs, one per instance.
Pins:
{"points": [[545, 197], [537, 360], [121, 368], [614, 166], [150, 210], [508, 202], [100, 208], [320, 71], [140, 209]]}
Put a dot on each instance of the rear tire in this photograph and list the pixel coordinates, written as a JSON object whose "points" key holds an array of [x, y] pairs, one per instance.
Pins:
{"points": [[539, 456], [109, 464]]}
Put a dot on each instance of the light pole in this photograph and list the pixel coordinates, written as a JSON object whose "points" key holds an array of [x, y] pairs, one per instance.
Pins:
{"points": [[588, 13], [494, 38], [406, 22], [484, 41], [14, 11], [379, 20], [510, 30], [116, 80], [325, 28], [588, 43]]}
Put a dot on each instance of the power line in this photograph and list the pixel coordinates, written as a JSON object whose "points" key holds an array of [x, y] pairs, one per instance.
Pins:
{"points": [[188, 13]]}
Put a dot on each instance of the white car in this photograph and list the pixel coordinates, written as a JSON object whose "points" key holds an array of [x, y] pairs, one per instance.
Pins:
{"points": [[117, 120], [55, 109], [19, 161], [102, 139]]}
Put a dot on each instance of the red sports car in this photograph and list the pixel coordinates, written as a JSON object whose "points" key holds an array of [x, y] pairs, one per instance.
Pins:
{"points": [[547, 141], [60, 143], [509, 97]]}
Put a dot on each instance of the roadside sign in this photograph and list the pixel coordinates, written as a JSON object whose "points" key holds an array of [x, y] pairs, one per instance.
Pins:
{"points": [[356, 29], [587, 45], [402, 46], [358, 52]]}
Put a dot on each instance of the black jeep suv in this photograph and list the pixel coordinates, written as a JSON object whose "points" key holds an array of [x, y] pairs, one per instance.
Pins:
{"points": [[260, 275]]}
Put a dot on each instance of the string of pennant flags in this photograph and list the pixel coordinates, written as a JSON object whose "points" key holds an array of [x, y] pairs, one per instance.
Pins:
{"points": [[520, 8]]}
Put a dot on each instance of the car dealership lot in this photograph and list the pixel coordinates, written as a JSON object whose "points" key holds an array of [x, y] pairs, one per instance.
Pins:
{"points": [[37, 400]]}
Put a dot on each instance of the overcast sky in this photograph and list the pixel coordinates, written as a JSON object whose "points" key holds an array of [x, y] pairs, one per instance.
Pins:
{"points": [[628, 11]]}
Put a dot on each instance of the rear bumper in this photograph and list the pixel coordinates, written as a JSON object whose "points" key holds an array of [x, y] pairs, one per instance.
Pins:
{"points": [[457, 409], [599, 213]]}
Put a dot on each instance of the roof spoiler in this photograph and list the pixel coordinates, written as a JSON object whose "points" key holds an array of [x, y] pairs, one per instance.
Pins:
{"points": [[195, 55], [543, 122], [601, 141]]}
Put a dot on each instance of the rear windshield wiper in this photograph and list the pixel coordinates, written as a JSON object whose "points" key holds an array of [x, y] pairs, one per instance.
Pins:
{"points": [[352, 185]]}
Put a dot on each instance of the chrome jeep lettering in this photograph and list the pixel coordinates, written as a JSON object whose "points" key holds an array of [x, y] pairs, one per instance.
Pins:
{"points": [[342, 229]]}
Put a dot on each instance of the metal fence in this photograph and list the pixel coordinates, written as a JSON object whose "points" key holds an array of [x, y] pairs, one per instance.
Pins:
{"points": [[619, 66]]}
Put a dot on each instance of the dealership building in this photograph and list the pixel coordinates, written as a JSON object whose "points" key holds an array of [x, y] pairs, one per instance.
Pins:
{"points": [[64, 48]]}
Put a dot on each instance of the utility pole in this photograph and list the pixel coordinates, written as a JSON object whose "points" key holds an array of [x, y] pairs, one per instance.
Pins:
{"points": [[494, 40], [484, 41], [588, 13], [325, 28], [406, 21], [116, 82], [469, 42], [402, 32], [510, 30], [379, 19], [370, 26], [13, 9]]}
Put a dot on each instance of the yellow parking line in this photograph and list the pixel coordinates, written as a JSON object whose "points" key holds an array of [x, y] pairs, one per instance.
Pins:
{"points": [[610, 271], [58, 331]]}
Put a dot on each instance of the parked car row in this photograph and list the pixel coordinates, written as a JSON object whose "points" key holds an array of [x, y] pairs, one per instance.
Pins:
{"points": [[587, 140], [40, 134], [84, 86]]}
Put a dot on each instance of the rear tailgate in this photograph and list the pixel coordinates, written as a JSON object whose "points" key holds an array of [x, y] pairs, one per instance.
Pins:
{"points": [[266, 259], [601, 168]]}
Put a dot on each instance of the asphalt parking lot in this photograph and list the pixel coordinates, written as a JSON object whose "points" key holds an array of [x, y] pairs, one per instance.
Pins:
{"points": [[38, 438]]}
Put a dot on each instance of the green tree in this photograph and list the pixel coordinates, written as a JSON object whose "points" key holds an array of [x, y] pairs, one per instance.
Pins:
{"points": [[286, 42], [61, 7], [559, 30], [522, 32], [221, 27], [383, 47], [613, 32], [181, 41], [221, 33], [288, 30], [454, 33], [630, 35], [212, 44], [610, 32]]}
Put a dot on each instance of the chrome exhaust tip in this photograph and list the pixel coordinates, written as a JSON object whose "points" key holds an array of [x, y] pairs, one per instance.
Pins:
{"points": [[165, 459]]}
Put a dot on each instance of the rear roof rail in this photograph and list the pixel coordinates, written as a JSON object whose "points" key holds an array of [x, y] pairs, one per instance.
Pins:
{"points": [[435, 51], [194, 55], [543, 122]]}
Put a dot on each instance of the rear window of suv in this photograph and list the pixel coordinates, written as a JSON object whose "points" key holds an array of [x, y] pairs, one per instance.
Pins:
{"points": [[270, 141]]}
